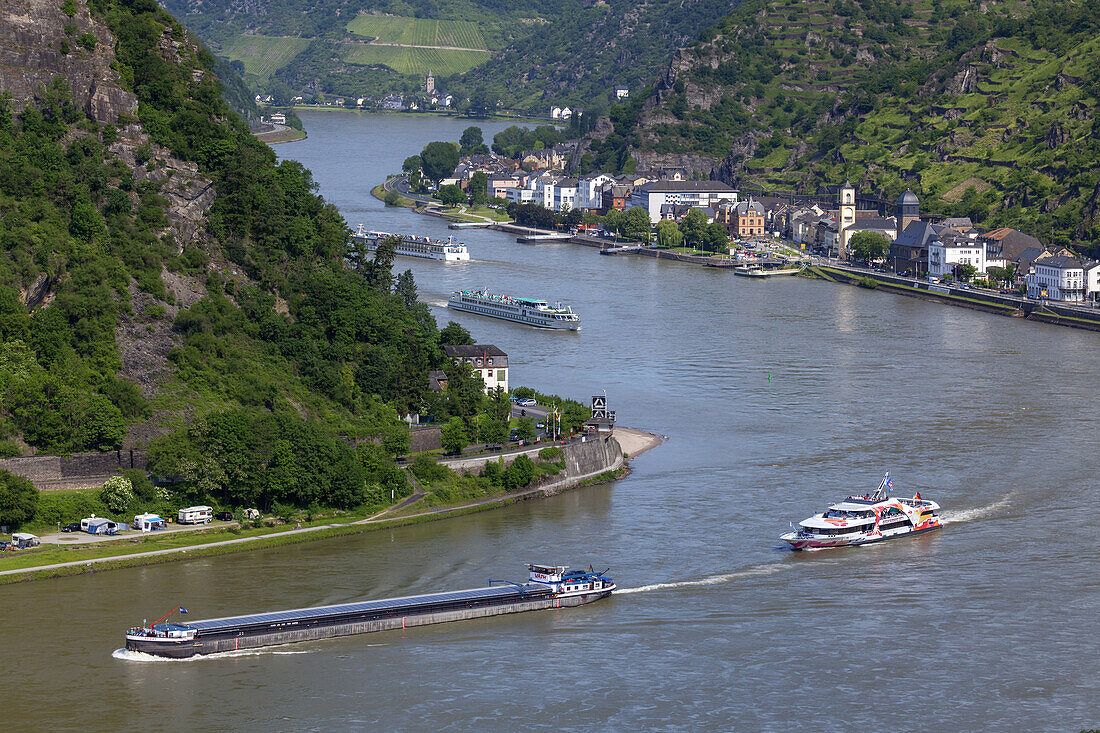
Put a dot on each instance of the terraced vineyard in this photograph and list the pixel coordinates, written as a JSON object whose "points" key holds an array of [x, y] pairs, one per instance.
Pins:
{"points": [[419, 31], [263, 55], [417, 61]]}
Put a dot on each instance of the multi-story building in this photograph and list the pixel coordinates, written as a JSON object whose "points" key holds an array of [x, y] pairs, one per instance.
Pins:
{"points": [[1058, 278], [653, 196], [947, 255], [490, 363]]}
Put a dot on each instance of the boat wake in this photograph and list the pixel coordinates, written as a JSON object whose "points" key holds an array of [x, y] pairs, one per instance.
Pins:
{"points": [[982, 512], [752, 572], [131, 656]]}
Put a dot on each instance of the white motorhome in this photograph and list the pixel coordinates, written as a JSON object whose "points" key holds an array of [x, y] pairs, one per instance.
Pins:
{"points": [[196, 515], [148, 522]]}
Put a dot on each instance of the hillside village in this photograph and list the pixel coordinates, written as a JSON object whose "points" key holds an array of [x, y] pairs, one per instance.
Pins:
{"points": [[916, 244]]}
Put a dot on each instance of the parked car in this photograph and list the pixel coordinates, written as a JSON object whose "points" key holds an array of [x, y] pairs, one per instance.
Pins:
{"points": [[74, 527], [526, 402], [224, 516]]}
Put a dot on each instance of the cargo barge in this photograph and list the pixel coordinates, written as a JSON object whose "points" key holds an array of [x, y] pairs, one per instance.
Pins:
{"points": [[549, 586]]}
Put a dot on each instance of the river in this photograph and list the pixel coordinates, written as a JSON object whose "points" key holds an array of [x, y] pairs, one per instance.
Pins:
{"points": [[777, 397]]}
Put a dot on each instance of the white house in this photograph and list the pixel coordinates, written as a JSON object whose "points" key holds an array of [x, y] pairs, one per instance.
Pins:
{"points": [[622, 92], [490, 363], [590, 190], [1057, 278], [278, 118], [565, 195], [1092, 280], [555, 113], [653, 196], [944, 256]]}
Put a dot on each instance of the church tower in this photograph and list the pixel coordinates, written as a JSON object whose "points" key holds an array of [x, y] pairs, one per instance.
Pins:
{"points": [[907, 210], [847, 215], [429, 83]]}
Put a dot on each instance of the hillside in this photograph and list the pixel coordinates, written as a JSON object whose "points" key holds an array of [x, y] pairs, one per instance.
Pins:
{"points": [[523, 54], [986, 112], [163, 279]]}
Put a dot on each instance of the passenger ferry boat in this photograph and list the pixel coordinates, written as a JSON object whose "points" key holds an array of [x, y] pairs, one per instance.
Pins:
{"points": [[521, 310], [410, 246], [548, 586], [861, 520]]}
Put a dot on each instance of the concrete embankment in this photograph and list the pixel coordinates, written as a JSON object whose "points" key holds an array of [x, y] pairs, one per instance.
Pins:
{"points": [[1005, 305]]}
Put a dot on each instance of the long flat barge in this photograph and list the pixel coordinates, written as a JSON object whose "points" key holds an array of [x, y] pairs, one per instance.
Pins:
{"points": [[549, 586]]}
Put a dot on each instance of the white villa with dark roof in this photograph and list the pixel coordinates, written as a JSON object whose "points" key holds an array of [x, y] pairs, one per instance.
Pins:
{"points": [[490, 363], [1058, 278]]}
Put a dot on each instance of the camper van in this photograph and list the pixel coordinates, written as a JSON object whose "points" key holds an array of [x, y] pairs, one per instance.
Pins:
{"points": [[196, 515], [22, 540], [148, 522]]}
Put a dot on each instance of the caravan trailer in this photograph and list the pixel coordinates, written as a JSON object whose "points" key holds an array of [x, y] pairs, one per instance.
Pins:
{"points": [[196, 515]]}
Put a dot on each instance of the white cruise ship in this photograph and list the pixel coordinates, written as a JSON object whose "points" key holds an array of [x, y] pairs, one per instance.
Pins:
{"points": [[410, 246], [863, 519], [521, 310]]}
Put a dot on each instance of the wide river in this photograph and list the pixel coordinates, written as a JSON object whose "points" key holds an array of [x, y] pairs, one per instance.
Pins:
{"points": [[777, 397]]}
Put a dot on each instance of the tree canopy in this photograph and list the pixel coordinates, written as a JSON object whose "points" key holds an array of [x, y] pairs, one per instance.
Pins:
{"points": [[438, 160]]}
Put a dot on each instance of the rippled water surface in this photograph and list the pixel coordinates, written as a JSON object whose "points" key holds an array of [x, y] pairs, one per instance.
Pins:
{"points": [[988, 624]]}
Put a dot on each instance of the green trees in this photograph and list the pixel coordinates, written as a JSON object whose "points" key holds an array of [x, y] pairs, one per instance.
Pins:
{"points": [[452, 195], [869, 246], [438, 160], [669, 234], [519, 473], [716, 238], [453, 334], [479, 188], [967, 272], [18, 499], [472, 142], [637, 226], [694, 227], [453, 436]]}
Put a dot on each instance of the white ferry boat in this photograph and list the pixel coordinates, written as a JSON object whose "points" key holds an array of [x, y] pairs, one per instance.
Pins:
{"points": [[861, 520], [410, 246], [521, 310]]}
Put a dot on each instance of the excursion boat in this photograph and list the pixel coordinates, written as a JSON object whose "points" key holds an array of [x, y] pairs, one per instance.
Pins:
{"points": [[548, 586], [861, 520], [521, 310], [411, 246]]}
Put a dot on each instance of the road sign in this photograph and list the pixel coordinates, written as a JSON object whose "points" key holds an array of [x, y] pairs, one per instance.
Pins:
{"points": [[599, 402], [599, 414], [611, 416]]}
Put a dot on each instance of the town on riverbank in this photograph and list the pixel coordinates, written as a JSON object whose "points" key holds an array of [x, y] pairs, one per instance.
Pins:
{"points": [[839, 233]]}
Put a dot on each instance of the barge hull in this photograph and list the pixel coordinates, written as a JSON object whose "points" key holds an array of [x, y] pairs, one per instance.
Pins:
{"points": [[214, 642]]}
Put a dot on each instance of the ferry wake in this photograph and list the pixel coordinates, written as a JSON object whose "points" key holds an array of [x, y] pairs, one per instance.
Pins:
{"points": [[861, 520], [549, 586]]}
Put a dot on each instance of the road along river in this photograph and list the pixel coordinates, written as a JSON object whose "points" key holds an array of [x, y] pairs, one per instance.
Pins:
{"points": [[777, 397]]}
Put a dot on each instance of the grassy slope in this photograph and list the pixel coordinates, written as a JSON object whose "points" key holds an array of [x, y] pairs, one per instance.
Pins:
{"points": [[263, 55]]}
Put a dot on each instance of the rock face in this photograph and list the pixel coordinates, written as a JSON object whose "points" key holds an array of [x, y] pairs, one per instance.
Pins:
{"points": [[39, 42], [34, 38]]}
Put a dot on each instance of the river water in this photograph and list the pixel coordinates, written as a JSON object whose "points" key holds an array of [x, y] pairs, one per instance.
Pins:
{"points": [[777, 397]]}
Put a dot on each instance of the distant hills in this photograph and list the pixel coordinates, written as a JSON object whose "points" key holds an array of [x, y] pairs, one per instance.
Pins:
{"points": [[985, 111], [525, 55]]}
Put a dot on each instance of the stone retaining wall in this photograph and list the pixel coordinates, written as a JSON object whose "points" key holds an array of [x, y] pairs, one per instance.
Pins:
{"points": [[77, 471]]}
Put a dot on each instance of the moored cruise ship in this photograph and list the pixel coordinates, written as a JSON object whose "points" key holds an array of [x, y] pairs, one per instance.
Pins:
{"points": [[521, 310], [410, 246], [863, 519], [548, 586]]}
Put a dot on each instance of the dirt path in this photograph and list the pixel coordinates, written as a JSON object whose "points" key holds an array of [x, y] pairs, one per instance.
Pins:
{"points": [[439, 48]]}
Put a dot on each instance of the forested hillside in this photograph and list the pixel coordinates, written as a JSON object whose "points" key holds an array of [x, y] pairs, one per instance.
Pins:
{"points": [[986, 111], [563, 51], [162, 275]]}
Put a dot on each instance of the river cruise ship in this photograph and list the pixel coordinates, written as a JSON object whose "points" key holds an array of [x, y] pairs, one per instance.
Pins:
{"points": [[410, 246], [548, 586], [863, 519], [521, 310]]}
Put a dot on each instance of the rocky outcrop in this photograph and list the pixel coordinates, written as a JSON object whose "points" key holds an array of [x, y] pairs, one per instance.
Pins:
{"points": [[39, 42]]}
